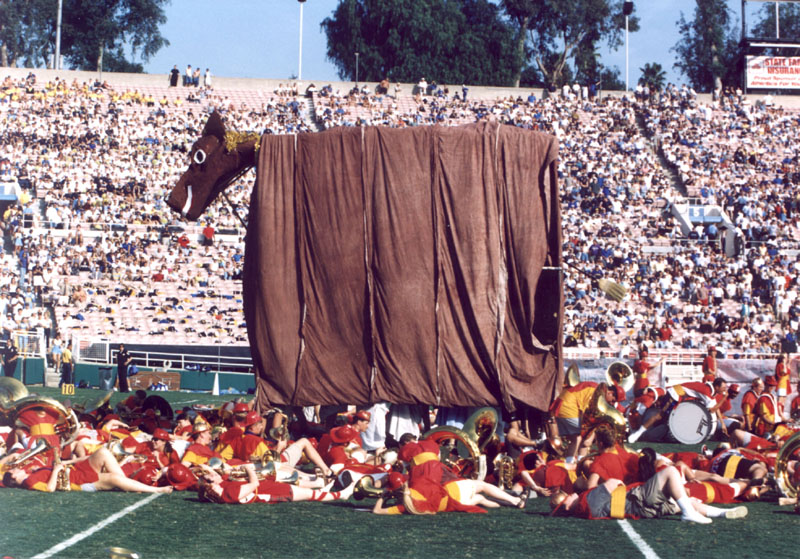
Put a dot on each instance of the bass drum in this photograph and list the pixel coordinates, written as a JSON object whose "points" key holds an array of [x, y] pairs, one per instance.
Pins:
{"points": [[691, 423]]}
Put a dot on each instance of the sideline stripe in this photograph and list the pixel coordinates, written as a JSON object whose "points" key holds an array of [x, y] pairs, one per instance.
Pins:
{"points": [[96, 528], [637, 540]]}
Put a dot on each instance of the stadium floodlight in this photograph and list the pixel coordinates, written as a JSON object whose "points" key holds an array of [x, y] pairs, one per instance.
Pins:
{"points": [[627, 8], [300, 48]]}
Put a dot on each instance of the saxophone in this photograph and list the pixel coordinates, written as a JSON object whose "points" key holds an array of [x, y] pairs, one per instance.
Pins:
{"points": [[63, 483]]}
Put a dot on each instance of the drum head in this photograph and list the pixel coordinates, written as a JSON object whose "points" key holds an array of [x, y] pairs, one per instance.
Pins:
{"points": [[690, 422]]}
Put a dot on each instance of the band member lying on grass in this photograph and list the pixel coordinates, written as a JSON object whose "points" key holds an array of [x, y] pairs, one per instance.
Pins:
{"points": [[98, 472], [662, 495], [213, 488], [462, 495]]}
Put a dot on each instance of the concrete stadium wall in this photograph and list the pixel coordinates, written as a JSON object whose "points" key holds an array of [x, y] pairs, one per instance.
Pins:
{"points": [[222, 83], [30, 370], [93, 373]]}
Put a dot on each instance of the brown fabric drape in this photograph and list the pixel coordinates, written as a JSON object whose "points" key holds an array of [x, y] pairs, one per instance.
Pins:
{"points": [[405, 265]]}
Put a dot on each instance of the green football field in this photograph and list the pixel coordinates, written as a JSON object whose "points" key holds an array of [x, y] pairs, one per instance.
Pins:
{"points": [[75, 524]]}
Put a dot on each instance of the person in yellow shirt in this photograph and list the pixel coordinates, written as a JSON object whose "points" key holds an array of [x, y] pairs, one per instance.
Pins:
{"points": [[66, 366]]}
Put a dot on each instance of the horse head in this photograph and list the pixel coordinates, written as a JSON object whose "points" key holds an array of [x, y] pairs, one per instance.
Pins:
{"points": [[217, 159]]}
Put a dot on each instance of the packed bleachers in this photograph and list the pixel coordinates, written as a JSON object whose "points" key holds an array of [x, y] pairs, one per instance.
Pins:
{"points": [[93, 240]]}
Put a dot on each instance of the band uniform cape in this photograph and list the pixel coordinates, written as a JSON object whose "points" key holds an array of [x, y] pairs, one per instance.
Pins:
{"points": [[401, 265]]}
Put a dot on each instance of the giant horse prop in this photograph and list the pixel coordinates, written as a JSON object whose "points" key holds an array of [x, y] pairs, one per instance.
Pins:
{"points": [[417, 265]]}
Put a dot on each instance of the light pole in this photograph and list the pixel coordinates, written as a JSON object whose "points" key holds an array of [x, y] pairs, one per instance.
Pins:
{"points": [[300, 49], [56, 65], [356, 69], [627, 10]]}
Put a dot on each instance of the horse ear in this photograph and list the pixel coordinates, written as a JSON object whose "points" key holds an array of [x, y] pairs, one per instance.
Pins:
{"points": [[214, 127]]}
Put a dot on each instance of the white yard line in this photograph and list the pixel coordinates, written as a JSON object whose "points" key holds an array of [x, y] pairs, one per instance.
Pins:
{"points": [[637, 540], [96, 528]]}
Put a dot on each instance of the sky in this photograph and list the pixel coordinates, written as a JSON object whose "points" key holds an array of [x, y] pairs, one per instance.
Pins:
{"points": [[260, 38]]}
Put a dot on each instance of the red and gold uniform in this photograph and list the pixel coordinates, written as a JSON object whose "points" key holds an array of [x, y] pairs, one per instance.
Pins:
{"points": [[247, 446], [767, 412], [641, 368], [268, 492], [41, 423], [709, 368], [693, 460], [79, 474], [616, 463], [711, 491], [199, 454], [575, 400], [749, 407], [782, 376], [555, 474]]}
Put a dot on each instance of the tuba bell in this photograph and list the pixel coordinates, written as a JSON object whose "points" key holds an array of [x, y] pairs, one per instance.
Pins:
{"points": [[788, 481], [459, 451], [573, 376], [365, 489], [621, 374], [481, 426], [66, 424], [11, 390], [602, 414]]}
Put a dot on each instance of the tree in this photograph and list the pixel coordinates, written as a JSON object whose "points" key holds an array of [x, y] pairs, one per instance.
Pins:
{"points": [[653, 75], [564, 30], [789, 26], [521, 13], [94, 32], [27, 31], [708, 49], [449, 41]]}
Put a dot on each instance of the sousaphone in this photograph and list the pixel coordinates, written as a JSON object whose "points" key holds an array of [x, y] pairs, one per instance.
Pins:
{"points": [[66, 422], [788, 483], [10, 390], [97, 403], [621, 374], [573, 376], [481, 426], [458, 450]]}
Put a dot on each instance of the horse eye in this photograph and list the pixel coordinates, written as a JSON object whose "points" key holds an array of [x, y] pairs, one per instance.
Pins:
{"points": [[199, 157]]}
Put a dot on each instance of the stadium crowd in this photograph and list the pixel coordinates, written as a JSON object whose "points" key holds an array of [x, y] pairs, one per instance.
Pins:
{"points": [[92, 240]]}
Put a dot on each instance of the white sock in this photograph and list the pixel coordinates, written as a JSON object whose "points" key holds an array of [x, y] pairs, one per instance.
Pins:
{"points": [[633, 437], [715, 512], [690, 513]]}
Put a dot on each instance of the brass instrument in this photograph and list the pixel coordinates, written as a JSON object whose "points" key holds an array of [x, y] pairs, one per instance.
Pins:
{"points": [[365, 488], [281, 432], [67, 425], [573, 376], [788, 484], [621, 374], [505, 469], [123, 455], [63, 482], [97, 403], [601, 414], [11, 390], [24, 457], [459, 451], [481, 426]]}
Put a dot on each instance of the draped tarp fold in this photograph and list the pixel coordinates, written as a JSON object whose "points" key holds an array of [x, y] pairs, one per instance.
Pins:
{"points": [[412, 266]]}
